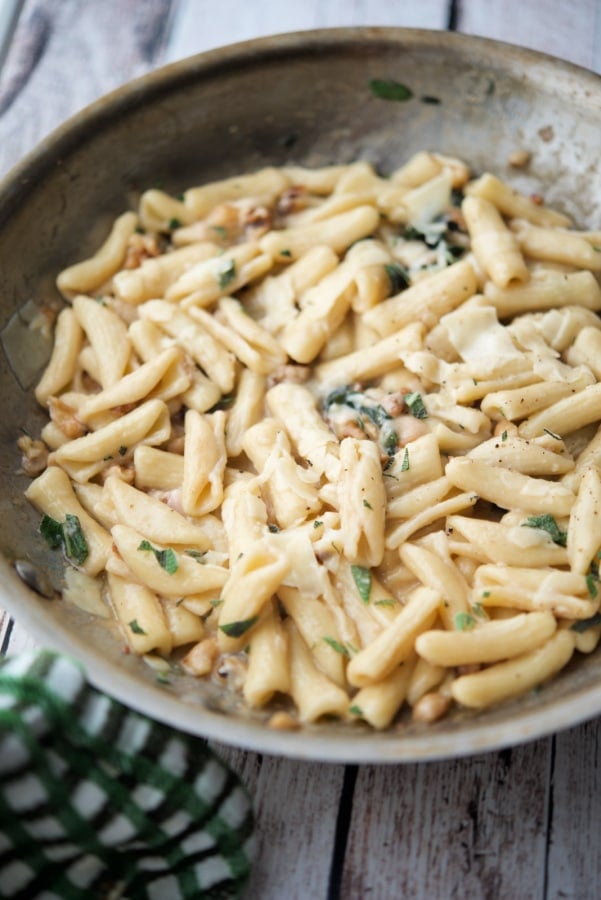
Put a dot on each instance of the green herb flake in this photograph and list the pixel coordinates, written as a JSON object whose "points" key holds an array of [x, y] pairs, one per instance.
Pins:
{"points": [[362, 578], [591, 584], [398, 276], [274, 529], [174, 223], [68, 535], [166, 558], [390, 442], [464, 621], [162, 678], [226, 273], [486, 593], [122, 450], [504, 436], [337, 646], [198, 555], [429, 100], [317, 523], [367, 504], [405, 466], [237, 629], [415, 405], [215, 602], [355, 710], [386, 89], [547, 523], [385, 601], [552, 434], [479, 610], [583, 625], [287, 253], [220, 231], [224, 402], [51, 531], [136, 627]]}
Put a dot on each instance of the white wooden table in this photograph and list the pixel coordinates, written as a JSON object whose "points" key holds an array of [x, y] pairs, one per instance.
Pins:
{"points": [[522, 823]]}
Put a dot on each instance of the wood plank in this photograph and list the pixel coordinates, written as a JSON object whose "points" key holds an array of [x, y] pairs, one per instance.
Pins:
{"points": [[469, 828], [65, 55], [569, 31], [295, 805], [196, 27], [574, 870]]}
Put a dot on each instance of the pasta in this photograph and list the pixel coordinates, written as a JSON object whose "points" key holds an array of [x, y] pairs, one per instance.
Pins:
{"points": [[334, 439]]}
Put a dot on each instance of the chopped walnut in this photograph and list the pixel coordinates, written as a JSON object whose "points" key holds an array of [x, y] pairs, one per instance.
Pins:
{"points": [[139, 248], [394, 404], [232, 669], [35, 455], [290, 373], [537, 199], [292, 200], [283, 721], [65, 417], [125, 473], [256, 220], [431, 707], [519, 158], [201, 658]]}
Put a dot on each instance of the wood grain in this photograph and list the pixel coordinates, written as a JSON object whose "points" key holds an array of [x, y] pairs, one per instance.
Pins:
{"points": [[468, 828]]}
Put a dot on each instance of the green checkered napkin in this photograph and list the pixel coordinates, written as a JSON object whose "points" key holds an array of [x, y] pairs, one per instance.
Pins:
{"points": [[97, 801]]}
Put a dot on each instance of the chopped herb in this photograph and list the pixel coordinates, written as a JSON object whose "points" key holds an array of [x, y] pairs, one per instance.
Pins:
{"points": [[464, 621], [220, 231], [386, 89], [583, 625], [416, 406], [552, 434], [226, 273], [591, 584], [162, 678], [317, 523], [285, 253], [486, 593], [273, 528], [504, 436], [122, 450], [51, 531], [215, 602], [347, 396], [391, 441], [547, 523], [174, 223], [367, 504], [398, 277], [337, 646], [428, 99], [165, 558], [453, 252], [457, 197], [225, 402], [355, 710], [136, 627], [198, 555], [362, 577], [385, 601], [405, 466], [68, 534], [479, 610], [237, 629]]}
